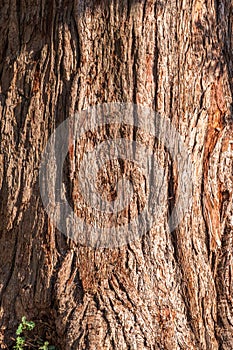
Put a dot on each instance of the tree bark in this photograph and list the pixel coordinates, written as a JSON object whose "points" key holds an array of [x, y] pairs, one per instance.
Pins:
{"points": [[165, 290]]}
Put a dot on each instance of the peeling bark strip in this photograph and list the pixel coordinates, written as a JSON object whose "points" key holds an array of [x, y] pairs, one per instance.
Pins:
{"points": [[164, 291], [214, 132]]}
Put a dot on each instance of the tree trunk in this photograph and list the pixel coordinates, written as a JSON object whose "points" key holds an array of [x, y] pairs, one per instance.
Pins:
{"points": [[170, 288]]}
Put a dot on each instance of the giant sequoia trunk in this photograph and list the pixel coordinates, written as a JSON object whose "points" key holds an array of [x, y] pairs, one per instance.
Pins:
{"points": [[164, 290]]}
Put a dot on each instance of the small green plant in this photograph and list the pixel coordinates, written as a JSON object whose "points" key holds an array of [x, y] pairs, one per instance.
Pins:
{"points": [[46, 346], [25, 326], [25, 341], [19, 343]]}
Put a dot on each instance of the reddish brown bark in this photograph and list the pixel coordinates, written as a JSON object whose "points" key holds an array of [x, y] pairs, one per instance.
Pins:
{"points": [[165, 290]]}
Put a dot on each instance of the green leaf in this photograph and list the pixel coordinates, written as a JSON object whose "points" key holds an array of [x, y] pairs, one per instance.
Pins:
{"points": [[44, 346], [24, 320], [30, 325], [19, 329]]}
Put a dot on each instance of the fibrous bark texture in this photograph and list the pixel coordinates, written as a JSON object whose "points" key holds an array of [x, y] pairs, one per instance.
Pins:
{"points": [[166, 290]]}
